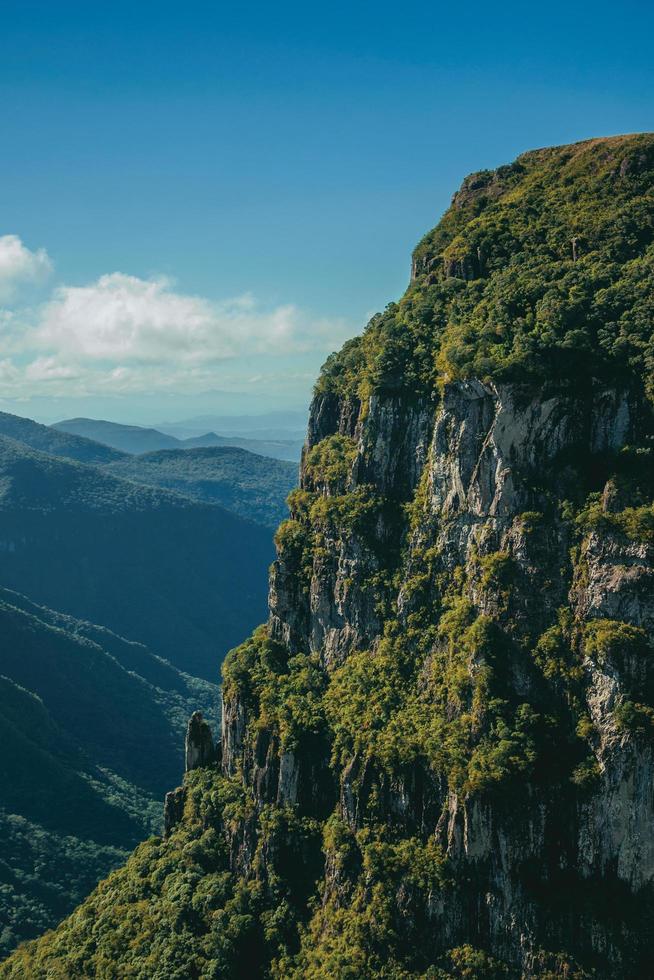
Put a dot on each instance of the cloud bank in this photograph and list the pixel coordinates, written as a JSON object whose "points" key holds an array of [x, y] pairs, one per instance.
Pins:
{"points": [[122, 333]]}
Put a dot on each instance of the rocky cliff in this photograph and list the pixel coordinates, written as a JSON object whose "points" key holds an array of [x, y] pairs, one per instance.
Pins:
{"points": [[436, 756], [518, 617]]}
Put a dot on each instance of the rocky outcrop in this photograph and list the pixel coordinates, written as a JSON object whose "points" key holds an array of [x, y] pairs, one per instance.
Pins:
{"points": [[199, 751], [486, 455], [619, 580], [173, 809], [199, 745]]}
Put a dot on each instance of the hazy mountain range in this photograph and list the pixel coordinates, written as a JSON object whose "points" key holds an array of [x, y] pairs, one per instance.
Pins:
{"points": [[175, 573], [249, 485], [92, 723], [282, 425], [137, 439]]}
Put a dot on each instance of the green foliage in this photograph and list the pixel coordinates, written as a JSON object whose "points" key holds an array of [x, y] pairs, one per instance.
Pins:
{"points": [[347, 512], [252, 663], [329, 463], [586, 775], [637, 719], [452, 721], [469, 963], [370, 937], [470, 730], [613, 640], [74, 701], [540, 269], [284, 694], [554, 653], [530, 520], [291, 703], [341, 371], [497, 575], [363, 700], [43, 876], [497, 570], [188, 915], [508, 750], [170, 888], [294, 542], [636, 523]]}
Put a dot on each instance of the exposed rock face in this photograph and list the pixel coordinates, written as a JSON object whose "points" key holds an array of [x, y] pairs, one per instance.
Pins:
{"points": [[199, 751], [482, 453], [173, 809], [482, 468], [339, 612], [199, 742], [620, 582]]}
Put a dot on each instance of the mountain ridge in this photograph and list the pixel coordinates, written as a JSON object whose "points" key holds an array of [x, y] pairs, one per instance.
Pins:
{"points": [[251, 486], [137, 439], [46, 439], [66, 527]]}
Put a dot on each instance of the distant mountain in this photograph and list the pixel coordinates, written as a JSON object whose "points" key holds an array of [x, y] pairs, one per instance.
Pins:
{"points": [[127, 438], [242, 482], [57, 443], [185, 578], [282, 425], [135, 439], [286, 449], [89, 741]]}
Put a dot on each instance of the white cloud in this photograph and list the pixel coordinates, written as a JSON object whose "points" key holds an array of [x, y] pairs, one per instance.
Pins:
{"points": [[48, 369], [123, 334], [19, 265], [132, 320]]}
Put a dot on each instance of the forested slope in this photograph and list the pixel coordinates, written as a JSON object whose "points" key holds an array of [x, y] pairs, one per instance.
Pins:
{"points": [[91, 735], [180, 576]]}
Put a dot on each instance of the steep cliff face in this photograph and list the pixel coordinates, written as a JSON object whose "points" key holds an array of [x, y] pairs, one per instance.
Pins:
{"points": [[436, 756], [546, 855]]}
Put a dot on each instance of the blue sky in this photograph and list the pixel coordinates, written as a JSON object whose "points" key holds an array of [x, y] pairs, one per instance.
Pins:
{"points": [[222, 193]]}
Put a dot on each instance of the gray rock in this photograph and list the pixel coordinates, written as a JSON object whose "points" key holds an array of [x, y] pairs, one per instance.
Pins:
{"points": [[478, 467], [199, 743], [173, 809]]}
